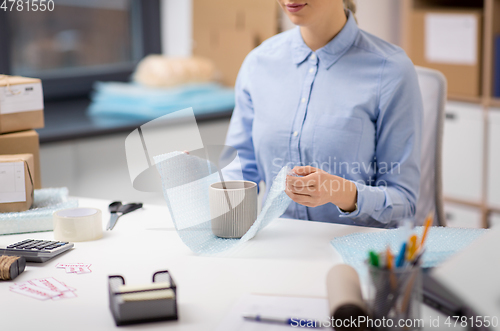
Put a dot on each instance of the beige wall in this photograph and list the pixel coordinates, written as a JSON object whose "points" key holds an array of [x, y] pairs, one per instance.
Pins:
{"points": [[379, 17]]}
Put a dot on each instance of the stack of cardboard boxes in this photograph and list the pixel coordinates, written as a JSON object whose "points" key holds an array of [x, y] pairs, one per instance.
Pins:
{"points": [[21, 111], [225, 31]]}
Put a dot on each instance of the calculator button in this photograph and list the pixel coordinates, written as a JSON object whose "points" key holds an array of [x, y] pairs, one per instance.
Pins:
{"points": [[23, 246], [45, 244]]}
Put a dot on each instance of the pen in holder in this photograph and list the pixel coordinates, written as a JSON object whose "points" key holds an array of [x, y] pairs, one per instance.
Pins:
{"points": [[145, 303], [394, 296]]}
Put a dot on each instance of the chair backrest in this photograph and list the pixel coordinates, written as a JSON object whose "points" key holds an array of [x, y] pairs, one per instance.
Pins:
{"points": [[433, 87]]}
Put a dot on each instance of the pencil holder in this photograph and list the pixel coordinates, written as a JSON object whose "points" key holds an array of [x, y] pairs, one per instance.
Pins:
{"points": [[394, 298], [144, 303]]}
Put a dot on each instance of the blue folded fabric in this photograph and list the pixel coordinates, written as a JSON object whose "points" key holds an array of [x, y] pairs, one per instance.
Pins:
{"points": [[441, 244], [141, 102]]}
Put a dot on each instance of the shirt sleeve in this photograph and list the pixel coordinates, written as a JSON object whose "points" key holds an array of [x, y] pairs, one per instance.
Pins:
{"points": [[393, 195], [239, 134]]}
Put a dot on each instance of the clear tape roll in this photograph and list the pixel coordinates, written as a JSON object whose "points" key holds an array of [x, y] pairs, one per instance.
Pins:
{"points": [[77, 224]]}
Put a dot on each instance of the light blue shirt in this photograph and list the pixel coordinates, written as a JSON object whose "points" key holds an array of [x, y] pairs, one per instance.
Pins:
{"points": [[352, 108]]}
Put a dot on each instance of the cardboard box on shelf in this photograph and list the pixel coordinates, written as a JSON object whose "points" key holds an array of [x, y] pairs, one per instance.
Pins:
{"points": [[449, 40], [16, 182], [21, 103], [225, 31], [24, 142], [215, 47]]}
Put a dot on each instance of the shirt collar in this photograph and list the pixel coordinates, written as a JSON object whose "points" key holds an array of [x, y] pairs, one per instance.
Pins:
{"points": [[331, 52]]}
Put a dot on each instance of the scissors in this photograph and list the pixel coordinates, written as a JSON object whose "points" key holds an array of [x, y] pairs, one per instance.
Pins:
{"points": [[117, 209]]}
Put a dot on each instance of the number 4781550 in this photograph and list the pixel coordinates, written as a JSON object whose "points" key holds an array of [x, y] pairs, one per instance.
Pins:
{"points": [[27, 5], [476, 322]]}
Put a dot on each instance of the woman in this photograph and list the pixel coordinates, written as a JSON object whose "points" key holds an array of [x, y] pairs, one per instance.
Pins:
{"points": [[342, 107]]}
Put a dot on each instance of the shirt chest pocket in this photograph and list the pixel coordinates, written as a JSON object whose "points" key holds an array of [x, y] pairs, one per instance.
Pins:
{"points": [[337, 139]]}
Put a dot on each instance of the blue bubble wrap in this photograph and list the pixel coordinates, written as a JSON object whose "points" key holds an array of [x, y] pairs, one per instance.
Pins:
{"points": [[39, 217], [186, 180], [441, 243]]}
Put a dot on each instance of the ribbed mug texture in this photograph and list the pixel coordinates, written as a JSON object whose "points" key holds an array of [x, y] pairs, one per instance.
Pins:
{"points": [[233, 222]]}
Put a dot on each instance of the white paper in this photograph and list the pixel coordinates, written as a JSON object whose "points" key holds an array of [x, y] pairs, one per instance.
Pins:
{"points": [[21, 98], [451, 38], [12, 182], [44, 288], [277, 306], [34, 292]]}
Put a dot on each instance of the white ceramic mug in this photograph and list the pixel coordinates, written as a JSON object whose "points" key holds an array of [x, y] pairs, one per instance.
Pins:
{"points": [[233, 207]]}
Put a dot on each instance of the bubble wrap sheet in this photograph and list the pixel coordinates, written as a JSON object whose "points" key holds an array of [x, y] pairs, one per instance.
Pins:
{"points": [[39, 217], [441, 243], [186, 180]]}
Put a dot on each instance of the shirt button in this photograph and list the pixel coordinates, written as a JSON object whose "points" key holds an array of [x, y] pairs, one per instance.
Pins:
{"points": [[295, 134], [303, 100], [311, 70], [313, 56]]}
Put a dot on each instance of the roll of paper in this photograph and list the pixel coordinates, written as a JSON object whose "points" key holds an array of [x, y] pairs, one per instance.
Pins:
{"points": [[345, 299], [78, 224]]}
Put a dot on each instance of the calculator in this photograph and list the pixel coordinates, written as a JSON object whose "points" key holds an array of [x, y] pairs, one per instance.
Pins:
{"points": [[36, 250]]}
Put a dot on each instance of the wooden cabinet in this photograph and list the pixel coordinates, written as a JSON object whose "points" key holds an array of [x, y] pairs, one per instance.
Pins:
{"points": [[462, 152], [462, 216], [472, 130], [494, 159], [97, 167]]}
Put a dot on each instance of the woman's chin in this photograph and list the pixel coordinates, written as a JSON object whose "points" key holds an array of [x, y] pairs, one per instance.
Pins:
{"points": [[297, 20]]}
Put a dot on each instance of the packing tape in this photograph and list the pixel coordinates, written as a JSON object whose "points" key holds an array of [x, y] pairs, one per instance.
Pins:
{"points": [[77, 224]]}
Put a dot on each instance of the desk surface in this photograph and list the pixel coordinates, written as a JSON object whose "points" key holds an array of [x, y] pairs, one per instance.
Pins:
{"points": [[289, 257]]}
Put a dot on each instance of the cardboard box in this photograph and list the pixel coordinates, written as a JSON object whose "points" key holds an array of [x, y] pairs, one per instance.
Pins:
{"points": [[24, 142], [462, 71], [215, 46], [21, 103], [16, 182], [225, 31]]}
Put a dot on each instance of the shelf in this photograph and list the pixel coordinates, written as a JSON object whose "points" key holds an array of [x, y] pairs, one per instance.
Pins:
{"points": [[448, 3], [495, 102], [487, 104], [473, 204], [69, 119], [464, 98]]}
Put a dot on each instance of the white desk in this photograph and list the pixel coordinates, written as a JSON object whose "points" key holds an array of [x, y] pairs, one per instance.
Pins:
{"points": [[289, 257]]}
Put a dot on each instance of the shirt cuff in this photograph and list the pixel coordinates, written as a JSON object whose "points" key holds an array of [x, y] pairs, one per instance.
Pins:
{"points": [[369, 197]]}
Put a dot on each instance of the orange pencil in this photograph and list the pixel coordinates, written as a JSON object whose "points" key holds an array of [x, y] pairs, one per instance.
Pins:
{"points": [[428, 223], [390, 265], [389, 258], [412, 247]]}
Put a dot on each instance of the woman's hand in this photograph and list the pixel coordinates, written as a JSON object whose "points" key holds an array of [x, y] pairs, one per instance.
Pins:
{"points": [[317, 187]]}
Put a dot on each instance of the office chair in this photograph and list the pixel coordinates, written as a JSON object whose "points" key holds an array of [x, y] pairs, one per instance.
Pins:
{"points": [[433, 87]]}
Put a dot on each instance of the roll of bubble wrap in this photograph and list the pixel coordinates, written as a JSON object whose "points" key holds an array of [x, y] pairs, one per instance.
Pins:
{"points": [[39, 217], [441, 243]]}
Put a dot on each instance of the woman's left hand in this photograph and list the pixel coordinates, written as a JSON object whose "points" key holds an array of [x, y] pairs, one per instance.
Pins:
{"points": [[318, 187]]}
